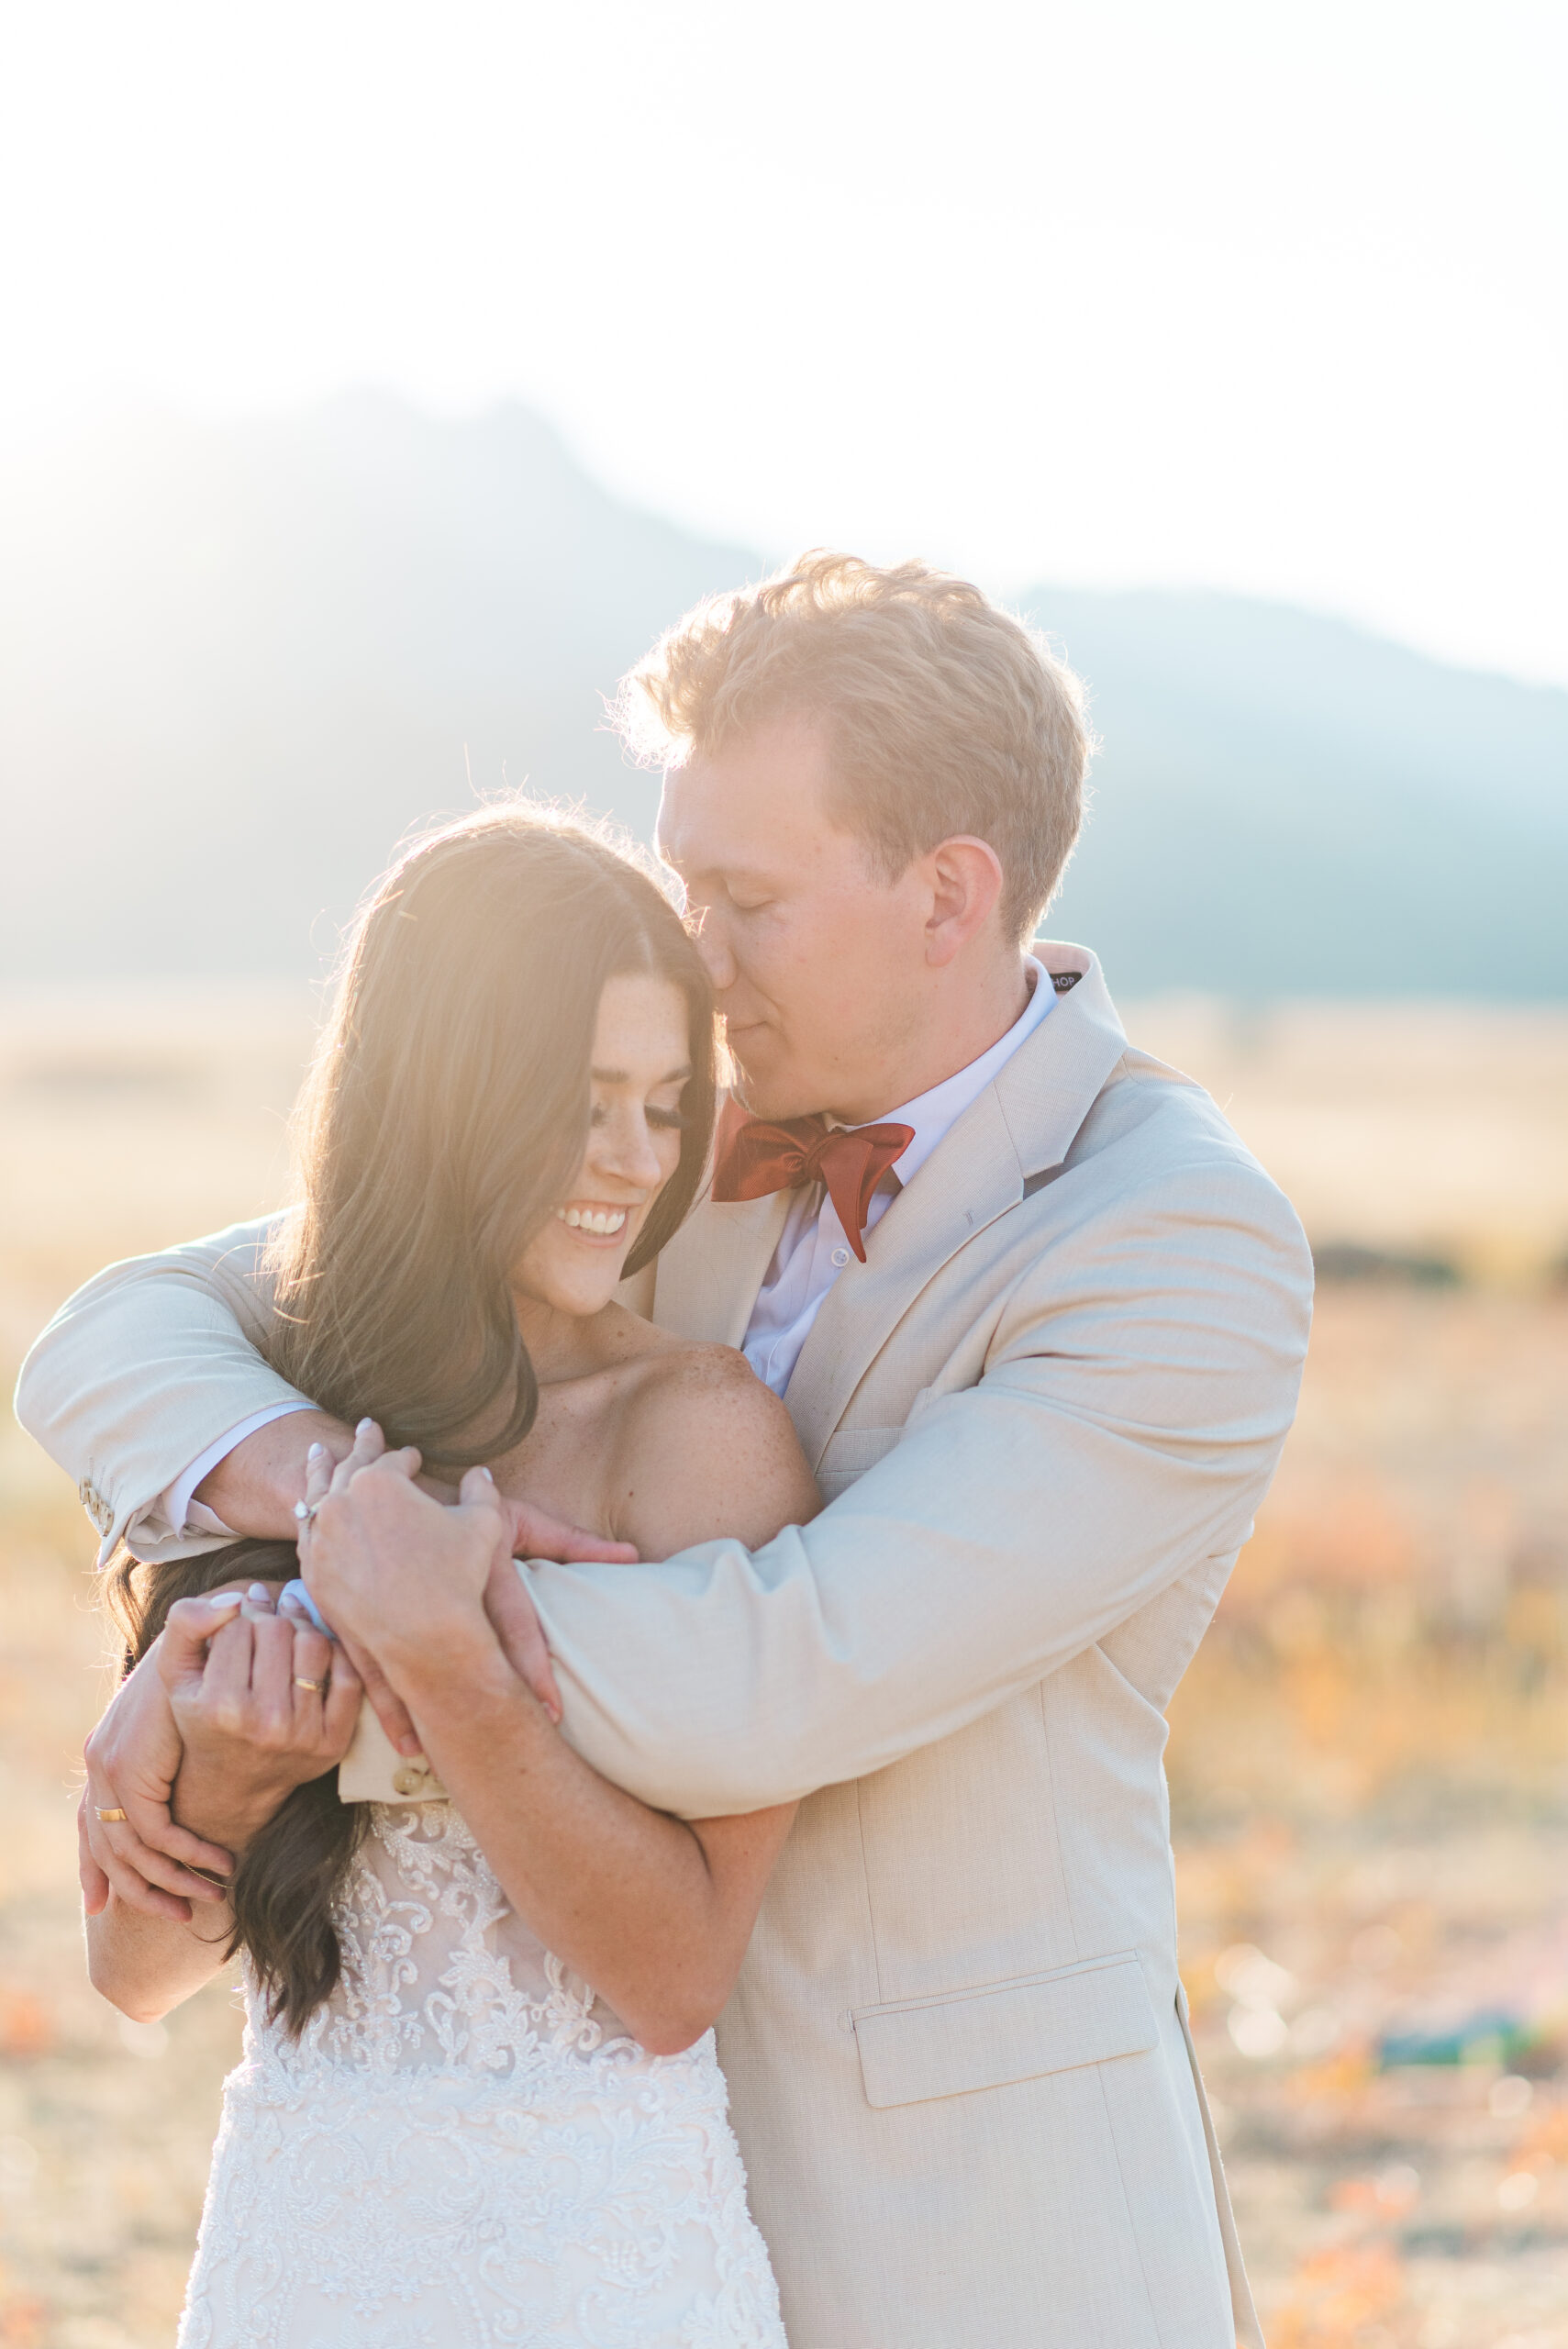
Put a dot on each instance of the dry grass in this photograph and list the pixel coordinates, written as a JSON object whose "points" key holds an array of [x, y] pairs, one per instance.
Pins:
{"points": [[1367, 1761], [1403, 1126], [1369, 1768]]}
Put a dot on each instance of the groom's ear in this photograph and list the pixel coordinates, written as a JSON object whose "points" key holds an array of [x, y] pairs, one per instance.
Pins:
{"points": [[963, 876]]}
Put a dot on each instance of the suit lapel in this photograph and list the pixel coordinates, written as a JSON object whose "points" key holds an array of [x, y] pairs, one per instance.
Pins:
{"points": [[710, 1272], [1054, 1080], [1022, 1124], [973, 1177]]}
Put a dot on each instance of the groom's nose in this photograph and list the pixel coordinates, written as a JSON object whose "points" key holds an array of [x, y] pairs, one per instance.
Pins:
{"points": [[712, 945]]}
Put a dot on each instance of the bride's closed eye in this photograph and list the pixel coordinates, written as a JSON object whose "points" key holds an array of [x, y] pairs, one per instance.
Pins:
{"points": [[669, 1120]]}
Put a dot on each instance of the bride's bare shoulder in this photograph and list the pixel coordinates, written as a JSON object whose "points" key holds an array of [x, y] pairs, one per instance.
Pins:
{"points": [[706, 1449]]}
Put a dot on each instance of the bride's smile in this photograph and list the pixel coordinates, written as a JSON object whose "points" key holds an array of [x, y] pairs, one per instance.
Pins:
{"points": [[641, 1067]]}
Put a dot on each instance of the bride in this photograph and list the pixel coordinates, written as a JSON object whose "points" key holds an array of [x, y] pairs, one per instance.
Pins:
{"points": [[479, 2102]]}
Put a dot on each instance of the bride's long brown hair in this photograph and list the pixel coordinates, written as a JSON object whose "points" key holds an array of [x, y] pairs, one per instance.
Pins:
{"points": [[445, 1117]]}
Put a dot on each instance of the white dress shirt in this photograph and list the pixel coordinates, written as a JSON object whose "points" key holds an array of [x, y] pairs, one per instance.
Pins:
{"points": [[177, 1511], [813, 1246], [811, 1254]]}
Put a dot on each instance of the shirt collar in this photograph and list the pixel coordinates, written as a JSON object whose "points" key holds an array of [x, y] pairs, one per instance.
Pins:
{"points": [[933, 1115]]}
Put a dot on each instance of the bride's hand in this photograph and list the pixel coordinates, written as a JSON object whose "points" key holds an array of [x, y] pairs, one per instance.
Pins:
{"points": [[262, 1704], [529, 1532], [395, 1573]]}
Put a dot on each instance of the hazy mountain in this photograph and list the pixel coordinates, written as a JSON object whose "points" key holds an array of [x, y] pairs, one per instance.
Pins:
{"points": [[1284, 805], [240, 660]]}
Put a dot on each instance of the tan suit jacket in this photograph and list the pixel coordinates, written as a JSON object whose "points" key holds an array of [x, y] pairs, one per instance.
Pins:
{"points": [[1043, 1411]]}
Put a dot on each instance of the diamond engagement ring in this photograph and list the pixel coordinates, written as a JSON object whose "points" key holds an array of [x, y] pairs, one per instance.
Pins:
{"points": [[306, 1511]]}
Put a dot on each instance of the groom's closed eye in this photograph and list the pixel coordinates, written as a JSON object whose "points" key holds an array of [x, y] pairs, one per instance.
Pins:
{"points": [[739, 892]]}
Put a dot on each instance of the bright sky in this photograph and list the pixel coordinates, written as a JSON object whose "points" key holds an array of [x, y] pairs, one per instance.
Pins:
{"points": [[1263, 294]]}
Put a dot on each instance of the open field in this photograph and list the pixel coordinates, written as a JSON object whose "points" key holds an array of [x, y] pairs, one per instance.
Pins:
{"points": [[1369, 1760]]}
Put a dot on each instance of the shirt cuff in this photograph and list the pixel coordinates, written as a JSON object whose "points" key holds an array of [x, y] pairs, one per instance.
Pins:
{"points": [[176, 1514]]}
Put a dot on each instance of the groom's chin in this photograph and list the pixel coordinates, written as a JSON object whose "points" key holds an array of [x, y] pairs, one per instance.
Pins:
{"points": [[749, 1087], [763, 1082], [759, 1098]]}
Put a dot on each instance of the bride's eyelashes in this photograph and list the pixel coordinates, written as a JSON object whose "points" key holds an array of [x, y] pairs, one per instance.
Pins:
{"points": [[667, 1121]]}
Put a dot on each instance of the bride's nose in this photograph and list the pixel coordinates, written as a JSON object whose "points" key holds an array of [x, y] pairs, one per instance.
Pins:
{"points": [[623, 1147]]}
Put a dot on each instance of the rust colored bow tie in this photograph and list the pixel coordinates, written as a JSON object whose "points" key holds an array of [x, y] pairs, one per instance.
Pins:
{"points": [[758, 1158]]}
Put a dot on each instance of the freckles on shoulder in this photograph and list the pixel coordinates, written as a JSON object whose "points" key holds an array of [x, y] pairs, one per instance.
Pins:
{"points": [[711, 1452]]}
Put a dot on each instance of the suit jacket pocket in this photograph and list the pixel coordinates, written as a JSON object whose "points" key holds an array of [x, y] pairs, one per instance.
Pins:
{"points": [[1087, 2013], [847, 1456]]}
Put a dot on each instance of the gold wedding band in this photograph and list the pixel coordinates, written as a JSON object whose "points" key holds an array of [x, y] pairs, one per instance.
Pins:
{"points": [[319, 1687], [114, 1814]]}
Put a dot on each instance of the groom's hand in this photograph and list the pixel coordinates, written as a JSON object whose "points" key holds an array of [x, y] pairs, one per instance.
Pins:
{"points": [[253, 1489], [514, 1619], [535, 1533], [133, 1758]]}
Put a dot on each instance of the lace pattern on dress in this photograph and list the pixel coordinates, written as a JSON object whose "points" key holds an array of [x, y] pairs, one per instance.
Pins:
{"points": [[466, 2150]]}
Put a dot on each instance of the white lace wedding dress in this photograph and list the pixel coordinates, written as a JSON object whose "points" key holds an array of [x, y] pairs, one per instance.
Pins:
{"points": [[465, 2150]]}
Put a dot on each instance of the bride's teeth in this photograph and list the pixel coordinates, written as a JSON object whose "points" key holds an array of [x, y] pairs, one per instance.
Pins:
{"points": [[602, 1222]]}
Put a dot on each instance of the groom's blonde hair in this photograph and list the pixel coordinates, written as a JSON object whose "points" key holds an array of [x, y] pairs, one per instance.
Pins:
{"points": [[945, 715]]}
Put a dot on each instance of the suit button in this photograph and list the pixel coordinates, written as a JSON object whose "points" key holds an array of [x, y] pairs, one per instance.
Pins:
{"points": [[410, 1777]]}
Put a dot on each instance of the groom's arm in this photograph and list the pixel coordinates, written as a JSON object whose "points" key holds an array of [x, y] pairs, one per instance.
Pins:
{"points": [[149, 1371], [1137, 1389], [148, 1389]]}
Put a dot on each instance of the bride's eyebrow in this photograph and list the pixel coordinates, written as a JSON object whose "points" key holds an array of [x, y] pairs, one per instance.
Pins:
{"points": [[623, 1077]]}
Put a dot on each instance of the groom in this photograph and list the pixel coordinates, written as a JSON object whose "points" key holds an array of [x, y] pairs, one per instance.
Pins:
{"points": [[1041, 1344]]}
